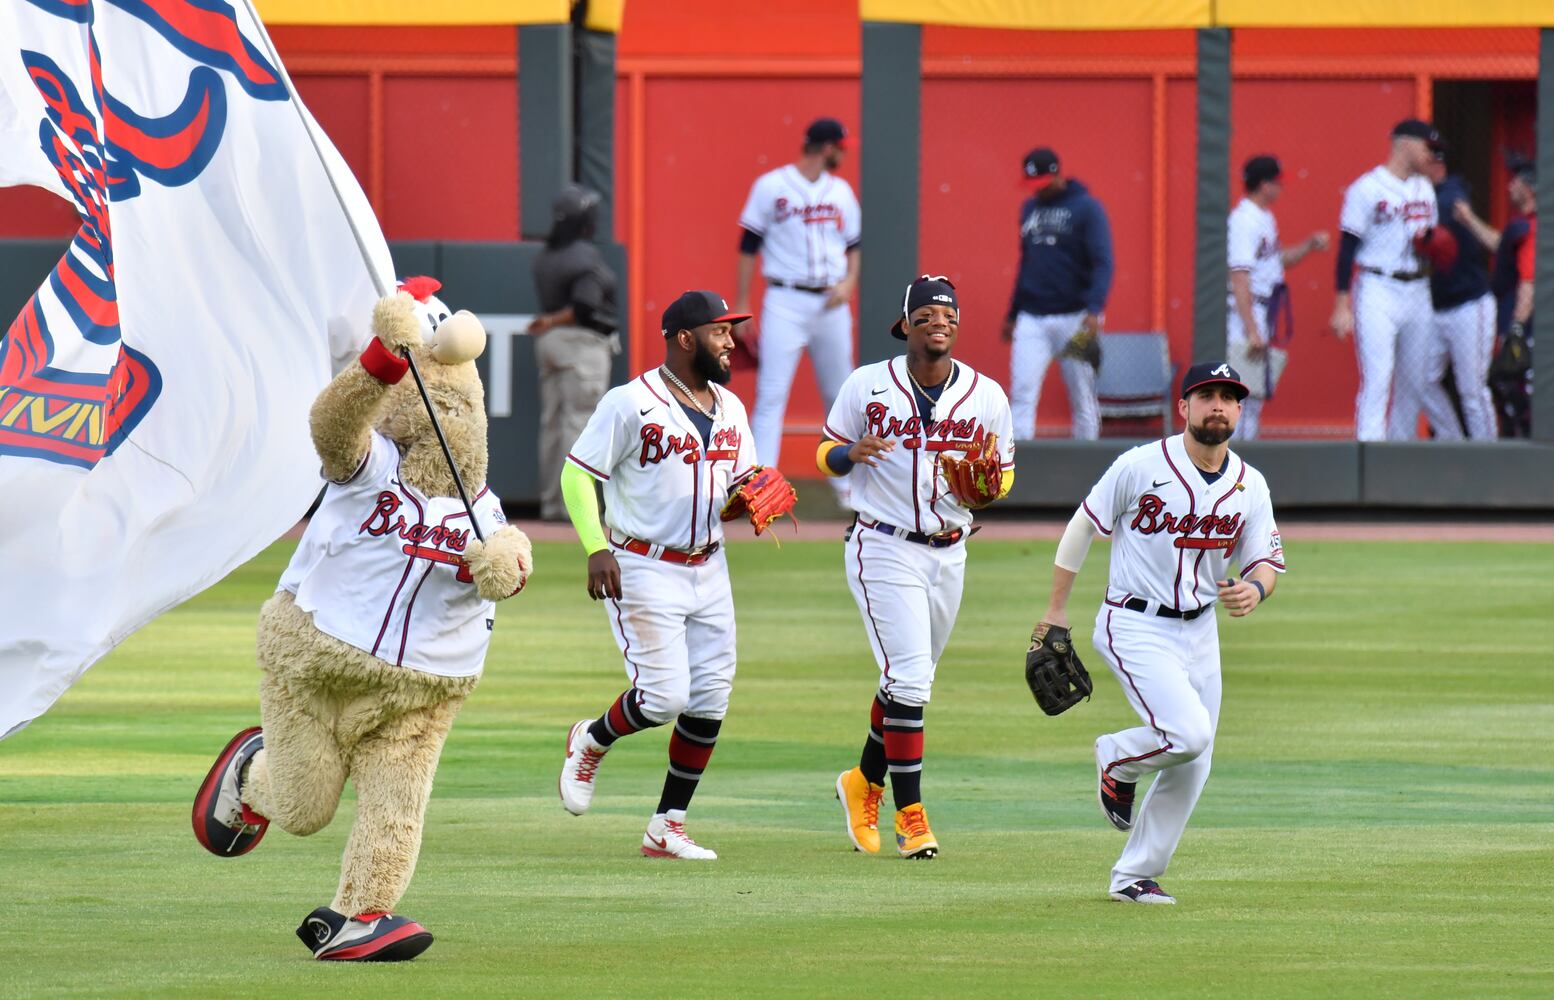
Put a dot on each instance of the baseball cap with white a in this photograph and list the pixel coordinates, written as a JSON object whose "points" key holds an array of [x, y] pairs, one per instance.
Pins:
{"points": [[1213, 373]]}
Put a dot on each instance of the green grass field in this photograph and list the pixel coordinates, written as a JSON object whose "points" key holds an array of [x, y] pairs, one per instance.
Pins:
{"points": [[1379, 823]]}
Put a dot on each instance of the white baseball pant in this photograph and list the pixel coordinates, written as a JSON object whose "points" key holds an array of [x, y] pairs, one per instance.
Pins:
{"points": [[793, 322], [1169, 671], [1465, 334], [1037, 340], [909, 595], [674, 625], [1392, 333], [1235, 334]]}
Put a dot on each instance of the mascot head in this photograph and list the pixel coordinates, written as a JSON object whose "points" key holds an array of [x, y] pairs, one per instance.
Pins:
{"points": [[451, 341]]}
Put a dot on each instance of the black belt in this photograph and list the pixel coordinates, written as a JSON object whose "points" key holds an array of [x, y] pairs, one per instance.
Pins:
{"points": [[942, 540], [1396, 275], [812, 289], [1139, 604]]}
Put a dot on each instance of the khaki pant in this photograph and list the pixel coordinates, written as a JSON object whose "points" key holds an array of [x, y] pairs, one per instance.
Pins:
{"points": [[574, 367]]}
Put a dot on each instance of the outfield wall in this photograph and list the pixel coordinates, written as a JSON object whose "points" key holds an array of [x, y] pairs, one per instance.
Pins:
{"points": [[493, 279]]}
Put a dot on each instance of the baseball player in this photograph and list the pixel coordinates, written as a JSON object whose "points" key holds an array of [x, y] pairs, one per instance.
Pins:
{"points": [[1059, 300], [805, 223], [1257, 264], [1179, 512], [667, 446], [905, 552], [1463, 329], [1386, 213]]}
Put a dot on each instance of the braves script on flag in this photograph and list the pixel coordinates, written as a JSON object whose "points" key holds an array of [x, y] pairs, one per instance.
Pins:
{"points": [[154, 391]]}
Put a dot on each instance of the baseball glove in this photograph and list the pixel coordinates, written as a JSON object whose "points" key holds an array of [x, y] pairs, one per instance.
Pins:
{"points": [[978, 479], [1084, 345], [1053, 671], [763, 495], [1438, 246]]}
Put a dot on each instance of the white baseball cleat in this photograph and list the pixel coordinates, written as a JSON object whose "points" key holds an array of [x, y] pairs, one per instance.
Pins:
{"points": [[1145, 890], [666, 838], [576, 783]]}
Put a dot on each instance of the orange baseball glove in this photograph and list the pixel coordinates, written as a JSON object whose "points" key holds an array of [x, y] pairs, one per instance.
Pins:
{"points": [[763, 495], [978, 479]]}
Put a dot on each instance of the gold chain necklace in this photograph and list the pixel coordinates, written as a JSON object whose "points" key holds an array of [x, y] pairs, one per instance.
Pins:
{"points": [[675, 381]]}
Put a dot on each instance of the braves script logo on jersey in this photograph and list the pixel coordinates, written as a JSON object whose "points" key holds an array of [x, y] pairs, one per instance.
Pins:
{"points": [[102, 150], [964, 434], [811, 215], [1047, 222], [1218, 531], [1408, 211], [385, 519]]}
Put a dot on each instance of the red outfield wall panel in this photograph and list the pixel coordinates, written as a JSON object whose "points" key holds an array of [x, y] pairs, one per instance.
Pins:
{"points": [[976, 134], [706, 141], [450, 158]]}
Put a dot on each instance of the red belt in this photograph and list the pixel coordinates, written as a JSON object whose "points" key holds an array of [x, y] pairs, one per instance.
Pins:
{"points": [[676, 556]]}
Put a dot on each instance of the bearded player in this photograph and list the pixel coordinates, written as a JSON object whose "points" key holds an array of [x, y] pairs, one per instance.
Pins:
{"points": [[895, 430], [668, 447], [1179, 512]]}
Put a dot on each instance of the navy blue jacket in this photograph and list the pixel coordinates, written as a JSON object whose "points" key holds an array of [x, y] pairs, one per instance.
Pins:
{"points": [[1065, 255], [1468, 277]]}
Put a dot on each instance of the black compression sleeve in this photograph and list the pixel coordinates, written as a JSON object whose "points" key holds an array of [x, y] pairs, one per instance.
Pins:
{"points": [[1348, 245], [749, 242]]}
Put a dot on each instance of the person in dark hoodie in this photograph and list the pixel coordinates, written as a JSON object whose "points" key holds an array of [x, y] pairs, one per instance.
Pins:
{"points": [[1060, 295], [574, 334]]}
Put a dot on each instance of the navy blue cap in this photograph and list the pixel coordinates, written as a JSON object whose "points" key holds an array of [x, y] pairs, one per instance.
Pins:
{"points": [[1213, 373], [928, 290], [694, 309], [824, 130]]}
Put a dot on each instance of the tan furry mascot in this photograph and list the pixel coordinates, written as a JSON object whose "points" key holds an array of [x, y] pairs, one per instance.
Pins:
{"points": [[379, 628]]}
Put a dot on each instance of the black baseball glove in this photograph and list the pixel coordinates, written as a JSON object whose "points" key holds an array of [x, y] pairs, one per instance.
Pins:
{"points": [[1053, 671]]}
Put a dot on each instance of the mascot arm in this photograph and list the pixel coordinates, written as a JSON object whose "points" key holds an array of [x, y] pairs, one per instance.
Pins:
{"points": [[344, 413], [501, 564]]}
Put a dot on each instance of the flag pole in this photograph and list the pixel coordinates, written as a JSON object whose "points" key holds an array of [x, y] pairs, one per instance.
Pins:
{"points": [[361, 247]]}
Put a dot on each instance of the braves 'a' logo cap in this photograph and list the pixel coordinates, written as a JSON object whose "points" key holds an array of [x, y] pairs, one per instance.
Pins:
{"points": [[1212, 373], [693, 309]]}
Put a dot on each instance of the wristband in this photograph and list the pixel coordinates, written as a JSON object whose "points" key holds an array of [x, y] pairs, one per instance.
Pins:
{"points": [[1517, 330], [382, 363], [1262, 595]]}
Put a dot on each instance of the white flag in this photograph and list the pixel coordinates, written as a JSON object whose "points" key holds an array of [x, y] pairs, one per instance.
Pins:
{"points": [[154, 392]]}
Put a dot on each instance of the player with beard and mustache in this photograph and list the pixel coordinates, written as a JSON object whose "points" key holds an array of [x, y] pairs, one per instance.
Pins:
{"points": [[668, 447], [1179, 512]]}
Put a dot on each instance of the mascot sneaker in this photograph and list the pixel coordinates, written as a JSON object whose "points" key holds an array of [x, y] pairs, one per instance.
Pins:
{"points": [[860, 800], [1145, 890], [366, 937], [913, 838], [1116, 797], [576, 783], [666, 838], [223, 825]]}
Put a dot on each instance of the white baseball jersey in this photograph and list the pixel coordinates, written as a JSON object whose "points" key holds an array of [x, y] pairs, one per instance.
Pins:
{"points": [[1386, 214], [379, 567], [661, 485], [1253, 246], [1174, 535], [907, 489], [805, 228]]}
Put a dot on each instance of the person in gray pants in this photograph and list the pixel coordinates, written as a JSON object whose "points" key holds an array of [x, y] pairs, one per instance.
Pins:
{"points": [[575, 334]]}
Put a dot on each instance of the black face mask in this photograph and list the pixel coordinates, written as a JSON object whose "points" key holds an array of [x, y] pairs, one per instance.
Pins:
{"points": [[706, 364]]}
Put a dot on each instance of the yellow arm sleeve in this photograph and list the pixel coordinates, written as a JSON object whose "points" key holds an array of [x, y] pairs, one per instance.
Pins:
{"points": [[1007, 485], [577, 489], [826, 444]]}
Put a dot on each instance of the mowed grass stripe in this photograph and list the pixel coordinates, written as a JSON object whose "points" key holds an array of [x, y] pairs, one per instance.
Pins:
{"points": [[1380, 819]]}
